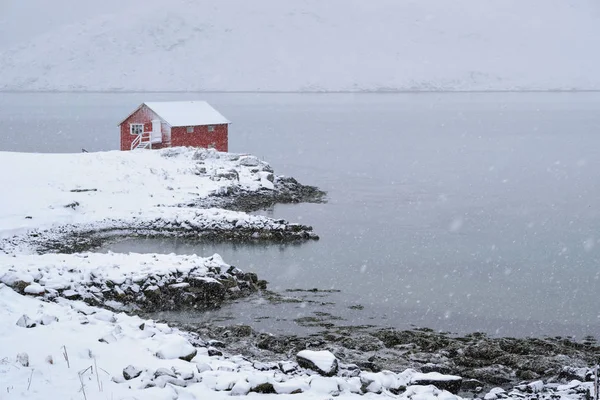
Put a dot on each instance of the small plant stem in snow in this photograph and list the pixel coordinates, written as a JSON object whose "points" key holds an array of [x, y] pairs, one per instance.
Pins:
{"points": [[30, 379], [66, 356], [97, 375]]}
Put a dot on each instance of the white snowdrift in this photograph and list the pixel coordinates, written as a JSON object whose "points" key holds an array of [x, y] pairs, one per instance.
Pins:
{"points": [[304, 45]]}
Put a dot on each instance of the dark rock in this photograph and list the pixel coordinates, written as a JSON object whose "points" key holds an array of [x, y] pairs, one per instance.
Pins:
{"points": [[216, 343], [527, 375], [369, 366], [472, 385], [262, 284], [442, 369], [20, 286], [190, 356], [261, 366], [264, 388], [250, 276], [153, 293], [495, 375], [365, 343], [241, 330], [570, 373], [484, 350]]}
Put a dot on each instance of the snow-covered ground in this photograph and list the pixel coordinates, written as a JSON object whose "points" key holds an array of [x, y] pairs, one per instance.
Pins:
{"points": [[117, 190], [305, 45]]}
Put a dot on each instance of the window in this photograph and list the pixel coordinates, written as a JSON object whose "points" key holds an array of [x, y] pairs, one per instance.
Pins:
{"points": [[190, 129], [136, 129], [211, 128]]}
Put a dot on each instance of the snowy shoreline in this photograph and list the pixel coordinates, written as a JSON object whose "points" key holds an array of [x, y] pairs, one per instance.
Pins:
{"points": [[62, 314]]}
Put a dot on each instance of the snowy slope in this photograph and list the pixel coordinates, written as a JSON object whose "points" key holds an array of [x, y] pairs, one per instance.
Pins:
{"points": [[307, 45]]}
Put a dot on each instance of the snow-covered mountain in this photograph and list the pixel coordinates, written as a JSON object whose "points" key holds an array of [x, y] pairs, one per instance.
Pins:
{"points": [[302, 45]]}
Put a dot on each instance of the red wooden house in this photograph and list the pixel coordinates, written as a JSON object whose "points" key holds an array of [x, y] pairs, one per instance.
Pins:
{"points": [[156, 125]]}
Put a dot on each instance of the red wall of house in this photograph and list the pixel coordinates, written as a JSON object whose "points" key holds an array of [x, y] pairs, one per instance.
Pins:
{"points": [[201, 137], [142, 116]]}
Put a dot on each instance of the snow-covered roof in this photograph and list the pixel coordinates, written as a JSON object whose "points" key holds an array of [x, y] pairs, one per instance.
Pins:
{"points": [[186, 113]]}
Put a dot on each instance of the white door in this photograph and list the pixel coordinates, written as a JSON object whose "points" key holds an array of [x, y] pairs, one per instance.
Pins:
{"points": [[156, 131]]}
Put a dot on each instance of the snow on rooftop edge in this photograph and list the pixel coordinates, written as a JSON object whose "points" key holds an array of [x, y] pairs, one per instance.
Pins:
{"points": [[187, 113]]}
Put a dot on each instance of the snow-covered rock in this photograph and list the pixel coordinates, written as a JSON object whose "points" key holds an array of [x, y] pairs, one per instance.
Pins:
{"points": [[450, 383], [23, 359], [324, 386], [322, 361], [34, 288], [176, 347], [26, 322], [131, 372]]}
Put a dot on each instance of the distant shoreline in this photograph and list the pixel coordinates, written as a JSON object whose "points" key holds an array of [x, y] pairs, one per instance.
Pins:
{"points": [[301, 92]]}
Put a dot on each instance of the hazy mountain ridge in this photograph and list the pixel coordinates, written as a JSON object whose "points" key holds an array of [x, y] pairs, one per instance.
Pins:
{"points": [[309, 45]]}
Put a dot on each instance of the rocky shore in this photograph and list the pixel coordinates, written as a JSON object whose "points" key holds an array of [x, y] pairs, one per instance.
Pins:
{"points": [[286, 190], [185, 223], [483, 362], [136, 282]]}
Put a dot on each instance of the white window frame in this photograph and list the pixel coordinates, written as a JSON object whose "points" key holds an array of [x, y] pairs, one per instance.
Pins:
{"points": [[131, 130], [211, 128], [189, 129]]}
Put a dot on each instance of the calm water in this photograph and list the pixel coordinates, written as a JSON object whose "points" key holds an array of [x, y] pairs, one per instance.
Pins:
{"points": [[460, 212]]}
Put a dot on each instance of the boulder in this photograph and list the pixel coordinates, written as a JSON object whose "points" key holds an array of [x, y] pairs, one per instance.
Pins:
{"points": [[264, 388], [131, 372], [323, 362]]}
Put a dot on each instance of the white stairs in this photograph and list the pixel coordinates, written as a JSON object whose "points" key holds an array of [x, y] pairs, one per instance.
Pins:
{"points": [[143, 141]]}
